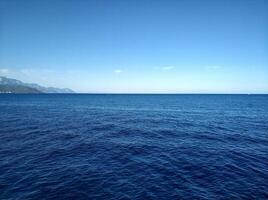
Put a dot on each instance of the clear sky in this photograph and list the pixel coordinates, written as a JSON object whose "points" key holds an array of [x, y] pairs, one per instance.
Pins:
{"points": [[184, 46]]}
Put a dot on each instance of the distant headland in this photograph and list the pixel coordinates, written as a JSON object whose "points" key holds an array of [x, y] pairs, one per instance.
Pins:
{"points": [[9, 85]]}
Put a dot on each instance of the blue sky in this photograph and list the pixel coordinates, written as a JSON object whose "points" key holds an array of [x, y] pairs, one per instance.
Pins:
{"points": [[191, 46]]}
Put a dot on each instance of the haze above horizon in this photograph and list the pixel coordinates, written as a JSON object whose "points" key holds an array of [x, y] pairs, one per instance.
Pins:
{"points": [[137, 46]]}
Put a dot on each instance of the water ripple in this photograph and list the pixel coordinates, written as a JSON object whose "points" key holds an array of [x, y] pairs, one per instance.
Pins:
{"points": [[133, 147]]}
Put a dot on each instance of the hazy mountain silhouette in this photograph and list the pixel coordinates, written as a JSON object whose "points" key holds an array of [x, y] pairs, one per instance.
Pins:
{"points": [[9, 85]]}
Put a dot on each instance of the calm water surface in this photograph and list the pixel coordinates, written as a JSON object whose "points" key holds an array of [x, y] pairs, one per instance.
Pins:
{"points": [[133, 146]]}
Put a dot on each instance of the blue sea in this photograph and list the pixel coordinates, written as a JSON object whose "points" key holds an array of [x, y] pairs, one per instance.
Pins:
{"points": [[104, 146]]}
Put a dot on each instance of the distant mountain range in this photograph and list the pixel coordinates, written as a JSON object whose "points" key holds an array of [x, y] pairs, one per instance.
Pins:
{"points": [[9, 85]]}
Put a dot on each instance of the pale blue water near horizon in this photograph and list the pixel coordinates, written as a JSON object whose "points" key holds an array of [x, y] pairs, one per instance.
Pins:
{"points": [[79, 146]]}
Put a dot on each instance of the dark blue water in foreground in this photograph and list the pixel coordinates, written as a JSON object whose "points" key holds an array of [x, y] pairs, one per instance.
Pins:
{"points": [[133, 146]]}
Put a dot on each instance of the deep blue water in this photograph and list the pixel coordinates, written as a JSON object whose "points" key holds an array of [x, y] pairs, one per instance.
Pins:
{"points": [[133, 146]]}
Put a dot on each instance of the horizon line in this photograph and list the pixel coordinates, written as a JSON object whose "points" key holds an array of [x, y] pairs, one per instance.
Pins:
{"points": [[103, 93]]}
